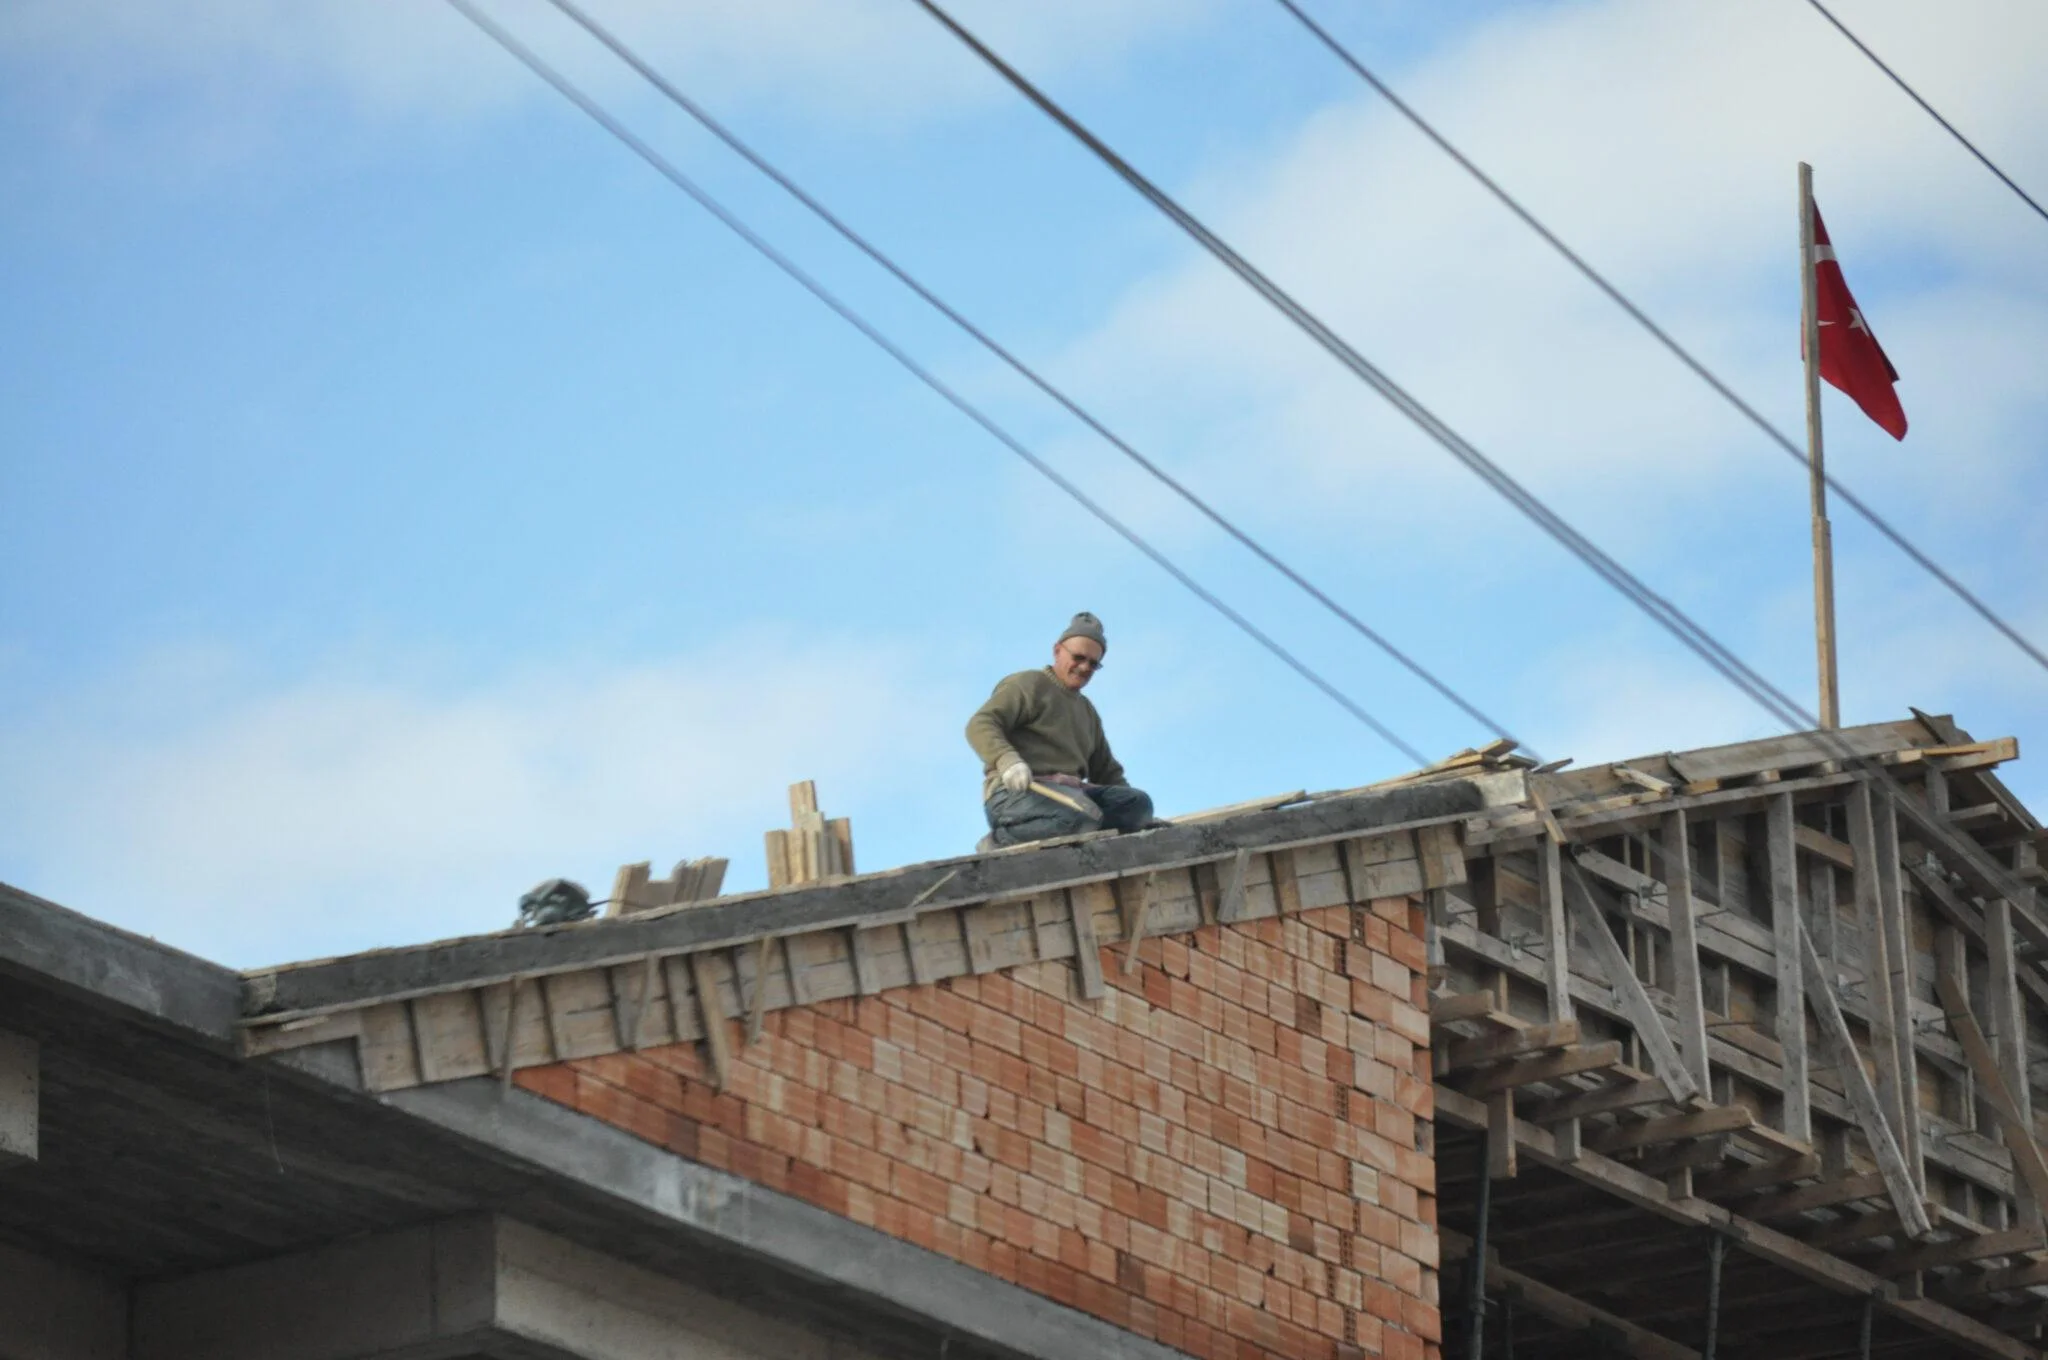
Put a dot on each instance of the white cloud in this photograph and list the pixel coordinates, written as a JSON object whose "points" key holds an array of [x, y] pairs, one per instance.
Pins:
{"points": [[253, 822], [401, 57]]}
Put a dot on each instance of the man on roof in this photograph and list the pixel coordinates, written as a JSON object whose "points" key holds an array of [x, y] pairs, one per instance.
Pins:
{"points": [[1046, 767]]}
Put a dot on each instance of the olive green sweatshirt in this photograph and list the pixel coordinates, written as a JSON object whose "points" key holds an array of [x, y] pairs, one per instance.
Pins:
{"points": [[1034, 718]]}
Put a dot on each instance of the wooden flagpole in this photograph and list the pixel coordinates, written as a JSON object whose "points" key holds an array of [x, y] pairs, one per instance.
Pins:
{"points": [[1817, 477]]}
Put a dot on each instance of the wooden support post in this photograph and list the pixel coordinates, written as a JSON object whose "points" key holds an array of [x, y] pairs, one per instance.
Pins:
{"points": [[1898, 944], [1557, 974], [1891, 1162], [2013, 1121], [1631, 997], [1230, 902], [1781, 858], [712, 1012], [508, 1039], [1137, 895], [1685, 952], [1877, 967], [1087, 952]]}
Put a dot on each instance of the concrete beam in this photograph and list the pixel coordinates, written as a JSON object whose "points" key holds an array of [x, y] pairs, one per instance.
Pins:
{"points": [[20, 1099], [738, 1215], [478, 1286], [54, 1312]]}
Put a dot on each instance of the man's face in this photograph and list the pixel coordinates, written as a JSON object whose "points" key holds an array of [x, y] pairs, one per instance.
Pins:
{"points": [[1075, 661]]}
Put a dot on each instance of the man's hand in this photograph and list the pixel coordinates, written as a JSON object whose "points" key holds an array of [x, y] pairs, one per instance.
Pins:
{"points": [[1015, 776]]}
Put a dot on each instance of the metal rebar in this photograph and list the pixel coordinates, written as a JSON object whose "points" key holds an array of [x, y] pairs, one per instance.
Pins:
{"points": [[1863, 1331], [1475, 1280], [1717, 1246]]}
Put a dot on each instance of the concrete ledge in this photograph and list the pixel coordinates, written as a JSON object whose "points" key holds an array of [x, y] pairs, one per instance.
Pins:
{"points": [[54, 1312], [952, 1298], [41, 942]]}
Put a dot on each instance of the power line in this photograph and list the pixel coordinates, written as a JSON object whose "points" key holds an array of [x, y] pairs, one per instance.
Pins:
{"points": [[1697, 639], [1914, 95], [533, 62], [1674, 620], [676, 96], [1663, 337]]}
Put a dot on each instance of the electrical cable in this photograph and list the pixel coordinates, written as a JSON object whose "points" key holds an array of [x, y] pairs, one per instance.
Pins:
{"points": [[563, 86], [1663, 337], [1914, 94], [709, 123], [1674, 620]]}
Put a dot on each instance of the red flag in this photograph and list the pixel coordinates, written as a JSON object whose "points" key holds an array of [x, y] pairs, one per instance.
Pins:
{"points": [[1850, 356]]}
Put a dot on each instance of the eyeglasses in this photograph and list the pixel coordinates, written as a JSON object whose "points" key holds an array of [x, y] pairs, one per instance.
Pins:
{"points": [[1077, 660]]}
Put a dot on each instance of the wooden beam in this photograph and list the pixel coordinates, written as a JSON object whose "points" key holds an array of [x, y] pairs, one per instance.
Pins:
{"points": [[1491, 1048], [1451, 1008], [1825, 846], [1629, 992], [1286, 882], [1685, 950], [1623, 1095], [1503, 1161], [1557, 974], [2012, 1120], [2029, 1276], [1877, 1131], [1528, 1071], [2011, 1242], [1671, 1128], [1738, 1180], [1554, 1305], [1230, 901], [1826, 1195], [1782, 869]]}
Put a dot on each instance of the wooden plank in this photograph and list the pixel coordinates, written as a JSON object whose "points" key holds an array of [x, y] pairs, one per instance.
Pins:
{"points": [[1690, 993], [1087, 953], [781, 872], [1877, 1131], [1230, 904], [2012, 1120], [1286, 882], [1768, 1175], [1878, 971], [641, 1004], [1490, 1048], [757, 995], [1233, 809], [980, 938], [1528, 1071], [1793, 751], [1898, 945], [1985, 874], [839, 832], [712, 1014], [1629, 992], [508, 1036], [629, 889], [1782, 868], [1441, 855], [1671, 1129], [1647, 782]]}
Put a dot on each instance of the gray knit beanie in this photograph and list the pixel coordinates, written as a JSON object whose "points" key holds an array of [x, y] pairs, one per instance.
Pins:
{"points": [[1084, 625]]}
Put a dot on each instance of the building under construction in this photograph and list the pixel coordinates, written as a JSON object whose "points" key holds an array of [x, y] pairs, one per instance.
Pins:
{"points": [[1726, 1052]]}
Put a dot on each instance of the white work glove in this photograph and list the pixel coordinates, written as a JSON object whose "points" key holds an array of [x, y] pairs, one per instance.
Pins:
{"points": [[1015, 776]]}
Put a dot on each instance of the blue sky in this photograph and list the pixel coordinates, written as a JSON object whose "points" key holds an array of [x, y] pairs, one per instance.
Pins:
{"points": [[412, 496]]}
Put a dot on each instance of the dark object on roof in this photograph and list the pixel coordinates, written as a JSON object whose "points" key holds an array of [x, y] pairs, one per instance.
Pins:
{"points": [[554, 903]]}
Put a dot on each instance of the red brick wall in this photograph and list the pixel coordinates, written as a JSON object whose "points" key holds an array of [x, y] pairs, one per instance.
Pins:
{"points": [[1221, 1154]]}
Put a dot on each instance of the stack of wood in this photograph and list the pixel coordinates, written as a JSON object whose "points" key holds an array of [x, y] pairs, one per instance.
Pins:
{"points": [[692, 880], [1495, 755], [814, 848]]}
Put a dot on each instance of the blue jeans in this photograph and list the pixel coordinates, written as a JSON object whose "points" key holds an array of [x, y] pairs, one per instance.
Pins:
{"points": [[1015, 818]]}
